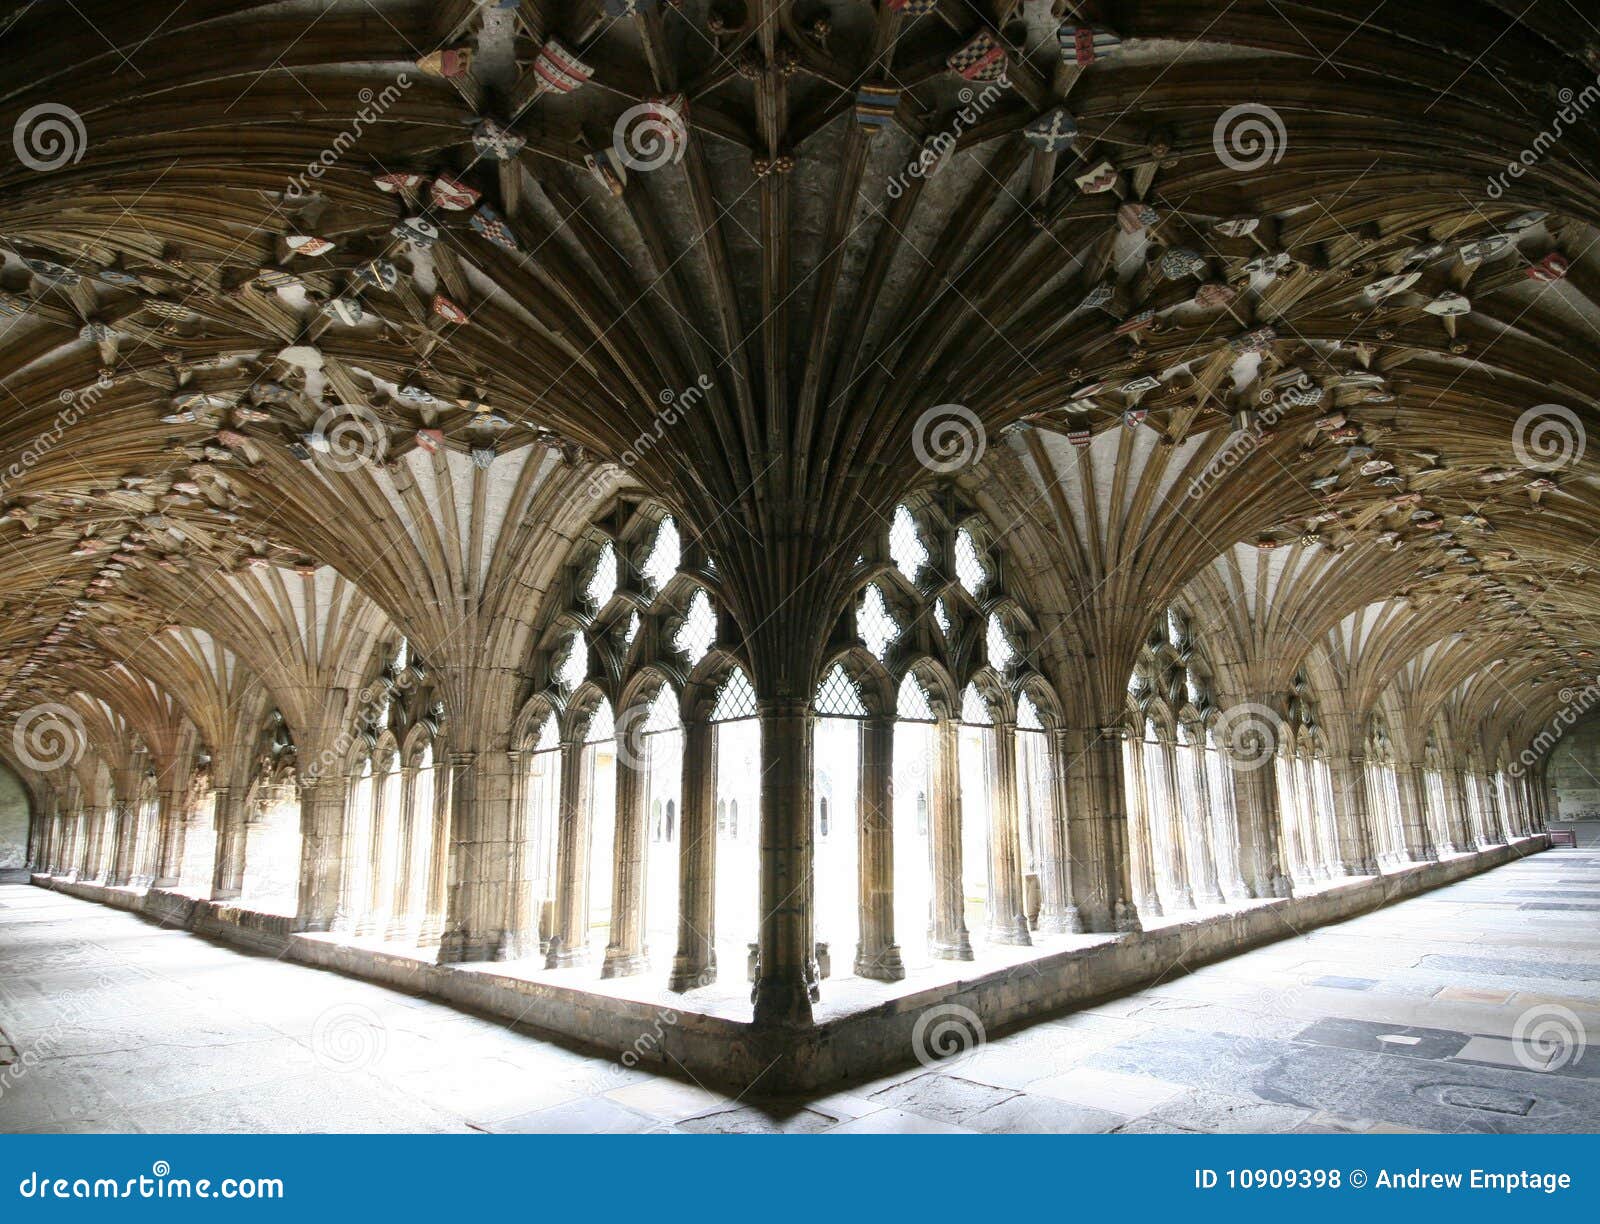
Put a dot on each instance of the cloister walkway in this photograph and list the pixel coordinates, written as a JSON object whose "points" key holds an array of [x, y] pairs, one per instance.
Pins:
{"points": [[1431, 1014]]}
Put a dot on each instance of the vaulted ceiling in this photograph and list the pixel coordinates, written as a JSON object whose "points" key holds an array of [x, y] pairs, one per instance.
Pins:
{"points": [[324, 317]]}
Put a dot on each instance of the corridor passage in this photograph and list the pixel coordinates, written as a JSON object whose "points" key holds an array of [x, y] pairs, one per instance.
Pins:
{"points": [[1473, 1008]]}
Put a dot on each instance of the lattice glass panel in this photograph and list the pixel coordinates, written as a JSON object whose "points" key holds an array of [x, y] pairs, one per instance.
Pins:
{"points": [[663, 715], [971, 572], [633, 628], [941, 616], [974, 709], [838, 696], [602, 581], [906, 549], [1002, 654], [574, 666], [665, 555], [875, 624], [736, 699], [1028, 715], [912, 703], [602, 726], [698, 631]]}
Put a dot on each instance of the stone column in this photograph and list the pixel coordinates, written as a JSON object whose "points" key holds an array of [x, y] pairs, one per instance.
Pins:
{"points": [[399, 891], [570, 945], [522, 920], [1255, 788], [322, 815], [1177, 847], [1097, 827], [123, 849], [1351, 818], [228, 876], [625, 952], [948, 938], [1193, 807], [1143, 892], [1007, 913], [786, 976], [877, 953], [171, 826], [436, 900], [1057, 914], [696, 961], [1413, 814]]}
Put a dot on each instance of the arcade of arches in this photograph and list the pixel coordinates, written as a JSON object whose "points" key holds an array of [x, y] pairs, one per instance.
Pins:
{"points": [[937, 501]]}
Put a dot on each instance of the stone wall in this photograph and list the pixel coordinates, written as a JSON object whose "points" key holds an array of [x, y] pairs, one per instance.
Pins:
{"points": [[1574, 771], [13, 821]]}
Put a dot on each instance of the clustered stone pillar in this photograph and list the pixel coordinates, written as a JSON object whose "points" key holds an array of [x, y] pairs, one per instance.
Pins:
{"points": [[1414, 814], [1351, 817], [228, 877], [947, 938], [696, 961], [1255, 789], [570, 944], [436, 900], [1057, 913], [172, 826], [322, 812], [1140, 830], [1007, 910], [786, 972], [625, 953], [877, 954]]}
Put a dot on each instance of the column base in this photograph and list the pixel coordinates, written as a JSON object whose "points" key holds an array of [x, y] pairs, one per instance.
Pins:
{"points": [[959, 949], [226, 894], [688, 974], [620, 964], [1067, 922], [562, 957], [1013, 934], [164, 882], [1128, 919], [783, 1002], [881, 966]]}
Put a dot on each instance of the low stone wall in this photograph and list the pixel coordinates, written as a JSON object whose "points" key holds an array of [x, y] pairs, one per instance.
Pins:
{"points": [[862, 1044]]}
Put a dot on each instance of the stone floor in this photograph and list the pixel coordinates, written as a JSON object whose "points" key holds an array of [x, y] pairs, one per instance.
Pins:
{"points": [[1468, 1009]]}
